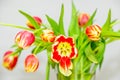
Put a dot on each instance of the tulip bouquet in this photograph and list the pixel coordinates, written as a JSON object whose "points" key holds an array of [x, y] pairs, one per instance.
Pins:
{"points": [[75, 56]]}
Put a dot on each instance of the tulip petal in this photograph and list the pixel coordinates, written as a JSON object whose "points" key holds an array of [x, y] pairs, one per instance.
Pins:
{"points": [[74, 53], [65, 66]]}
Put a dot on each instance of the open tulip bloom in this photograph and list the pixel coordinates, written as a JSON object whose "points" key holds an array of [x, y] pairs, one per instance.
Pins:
{"points": [[75, 56]]}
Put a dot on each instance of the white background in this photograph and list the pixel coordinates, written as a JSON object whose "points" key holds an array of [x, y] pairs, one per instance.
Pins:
{"points": [[9, 14]]}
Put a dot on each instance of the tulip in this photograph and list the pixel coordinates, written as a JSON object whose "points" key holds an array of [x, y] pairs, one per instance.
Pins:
{"points": [[48, 35], [9, 60], [63, 50], [93, 32], [31, 63], [24, 39], [37, 19], [83, 18]]}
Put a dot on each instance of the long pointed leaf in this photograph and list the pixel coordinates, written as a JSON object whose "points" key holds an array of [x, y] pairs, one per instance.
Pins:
{"points": [[90, 22], [53, 24], [106, 26], [90, 54], [15, 26], [74, 30], [31, 19], [110, 34], [61, 24], [114, 22]]}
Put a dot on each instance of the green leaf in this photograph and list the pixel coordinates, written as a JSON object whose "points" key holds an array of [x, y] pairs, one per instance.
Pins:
{"points": [[114, 22], [15, 26], [88, 76], [74, 29], [90, 54], [111, 39], [106, 26], [61, 24], [14, 46], [31, 19], [99, 51], [90, 22], [54, 25], [110, 34]]}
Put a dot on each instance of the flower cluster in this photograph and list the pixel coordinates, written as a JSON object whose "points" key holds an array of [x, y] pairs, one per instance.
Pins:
{"points": [[76, 56]]}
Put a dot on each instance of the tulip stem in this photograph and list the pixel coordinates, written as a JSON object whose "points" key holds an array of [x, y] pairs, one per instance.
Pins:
{"points": [[18, 51], [44, 26], [47, 70], [38, 30], [36, 49]]}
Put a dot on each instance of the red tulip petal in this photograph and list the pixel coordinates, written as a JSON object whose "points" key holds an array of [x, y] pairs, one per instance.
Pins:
{"points": [[65, 66]]}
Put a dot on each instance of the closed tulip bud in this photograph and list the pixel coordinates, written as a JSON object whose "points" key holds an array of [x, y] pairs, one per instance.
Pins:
{"points": [[37, 19], [9, 60], [93, 32], [48, 35], [31, 63], [83, 18], [24, 39]]}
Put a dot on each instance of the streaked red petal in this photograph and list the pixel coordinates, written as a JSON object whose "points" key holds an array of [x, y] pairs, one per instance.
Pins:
{"points": [[60, 38], [70, 41], [65, 66], [74, 53], [55, 56]]}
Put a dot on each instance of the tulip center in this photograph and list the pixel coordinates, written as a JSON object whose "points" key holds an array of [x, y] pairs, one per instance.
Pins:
{"points": [[64, 49]]}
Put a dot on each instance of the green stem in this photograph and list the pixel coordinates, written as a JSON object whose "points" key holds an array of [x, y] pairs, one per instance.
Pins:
{"points": [[36, 49], [38, 30], [94, 68], [44, 25], [88, 66], [47, 70], [76, 61], [81, 49], [81, 68], [18, 51], [75, 71]]}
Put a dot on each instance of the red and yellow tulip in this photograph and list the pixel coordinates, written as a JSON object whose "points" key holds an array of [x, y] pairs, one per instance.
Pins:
{"points": [[63, 50], [37, 19], [48, 35], [24, 39], [10, 60], [31, 63], [93, 32]]}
